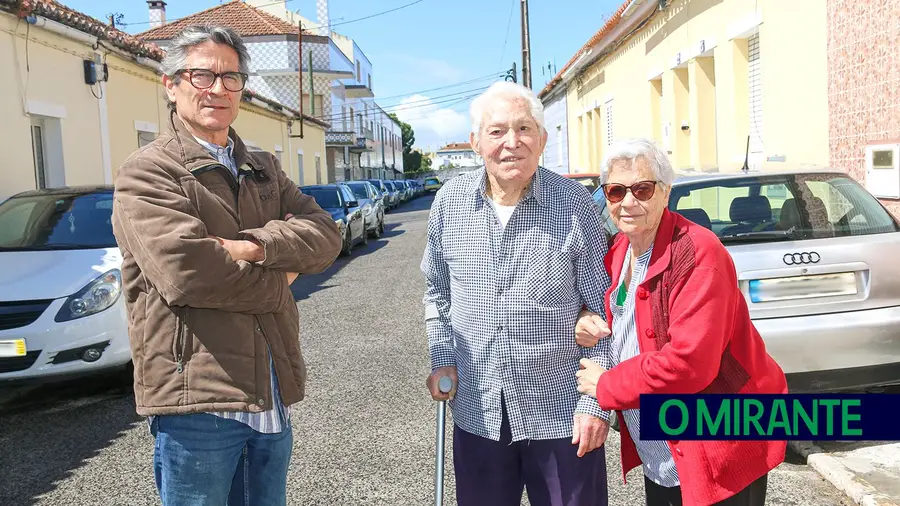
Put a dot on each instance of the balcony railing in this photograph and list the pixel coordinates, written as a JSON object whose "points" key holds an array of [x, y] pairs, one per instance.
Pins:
{"points": [[340, 138], [365, 132]]}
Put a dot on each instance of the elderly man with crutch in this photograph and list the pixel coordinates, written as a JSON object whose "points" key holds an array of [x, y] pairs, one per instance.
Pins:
{"points": [[514, 252]]}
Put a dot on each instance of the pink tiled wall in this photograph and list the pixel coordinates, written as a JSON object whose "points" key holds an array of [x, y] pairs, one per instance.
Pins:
{"points": [[864, 81]]}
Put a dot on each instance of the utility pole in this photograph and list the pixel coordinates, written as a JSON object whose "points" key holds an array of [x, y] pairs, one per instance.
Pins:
{"points": [[511, 74], [526, 47]]}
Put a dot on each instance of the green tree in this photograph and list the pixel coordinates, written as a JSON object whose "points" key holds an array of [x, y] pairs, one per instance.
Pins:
{"points": [[412, 160]]}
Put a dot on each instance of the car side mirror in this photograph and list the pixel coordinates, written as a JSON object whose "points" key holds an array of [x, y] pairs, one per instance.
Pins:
{"points": [[353, 203]]}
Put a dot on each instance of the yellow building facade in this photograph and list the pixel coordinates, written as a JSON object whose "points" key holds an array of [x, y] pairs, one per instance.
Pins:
{"points": [[710, 80], [59, 131]]}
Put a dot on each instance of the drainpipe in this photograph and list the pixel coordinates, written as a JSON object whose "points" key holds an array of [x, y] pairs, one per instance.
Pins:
{"points": [[105, 157], [92, 41], [61, 29]]}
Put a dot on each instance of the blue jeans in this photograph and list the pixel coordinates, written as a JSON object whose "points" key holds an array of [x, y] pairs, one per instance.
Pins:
{"points": [[203, 459]]}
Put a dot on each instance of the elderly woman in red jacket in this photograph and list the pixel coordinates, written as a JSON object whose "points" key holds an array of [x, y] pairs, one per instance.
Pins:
{"points": [[680, 325]]}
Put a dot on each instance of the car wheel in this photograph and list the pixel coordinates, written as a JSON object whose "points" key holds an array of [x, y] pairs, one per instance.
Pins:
{"points": [[348, 244], [365, 235]]}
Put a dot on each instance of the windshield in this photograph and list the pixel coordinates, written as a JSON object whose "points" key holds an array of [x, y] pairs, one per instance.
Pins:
{"points": [[57, 222], [782, 207], [390, 186], [359, 190], [325, 197]]}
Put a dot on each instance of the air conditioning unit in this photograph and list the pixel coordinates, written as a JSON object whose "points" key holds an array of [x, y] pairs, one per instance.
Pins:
{"points": [[883, 170]]}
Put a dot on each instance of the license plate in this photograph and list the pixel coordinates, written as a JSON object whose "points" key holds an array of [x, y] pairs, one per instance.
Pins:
{"points": [[13, 348], [803, 287]]}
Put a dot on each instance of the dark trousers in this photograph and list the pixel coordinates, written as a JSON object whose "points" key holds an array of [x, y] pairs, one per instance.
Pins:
{"points": [[753, 495], [494, 473]]}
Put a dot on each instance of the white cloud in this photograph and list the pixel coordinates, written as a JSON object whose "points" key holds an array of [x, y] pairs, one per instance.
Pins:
{"points": [[435, 124]]}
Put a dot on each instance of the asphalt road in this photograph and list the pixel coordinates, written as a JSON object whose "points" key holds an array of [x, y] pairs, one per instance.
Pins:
{"points": [[364, 435]]}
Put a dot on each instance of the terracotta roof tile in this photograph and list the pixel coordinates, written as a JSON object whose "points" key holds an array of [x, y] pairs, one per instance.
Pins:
{"points": [[456, 146], [243, 18], [602, 32], [58, 12], [51, 9]]}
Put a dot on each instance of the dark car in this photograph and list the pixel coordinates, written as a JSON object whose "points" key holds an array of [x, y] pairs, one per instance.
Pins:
{"points": [[338, 200], [392, 195], [385, 193], [371, 202]]}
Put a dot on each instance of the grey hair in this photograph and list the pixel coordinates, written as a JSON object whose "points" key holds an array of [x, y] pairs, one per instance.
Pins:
{"points": [[630, 149], [509, 91], [178, 48]]}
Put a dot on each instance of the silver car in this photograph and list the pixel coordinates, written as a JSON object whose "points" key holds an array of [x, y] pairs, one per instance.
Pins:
{"points": [[817, 260]]}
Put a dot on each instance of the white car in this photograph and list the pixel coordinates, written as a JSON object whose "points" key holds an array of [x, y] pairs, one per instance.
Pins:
{"points": [[61, 307]]}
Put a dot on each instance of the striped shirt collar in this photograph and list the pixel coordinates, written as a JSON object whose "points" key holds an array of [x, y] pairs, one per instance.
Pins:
{"points": [[216, 150]]}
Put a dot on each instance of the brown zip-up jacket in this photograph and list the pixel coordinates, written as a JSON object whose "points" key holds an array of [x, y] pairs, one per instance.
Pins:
{"points": [[200, 323]]}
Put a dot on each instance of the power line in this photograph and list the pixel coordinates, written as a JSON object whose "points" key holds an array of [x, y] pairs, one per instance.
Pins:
{"points": [[484, 78], [446, 107], [288, 1], [421, 103], [378, 14], [406, 107], [189, 15], [512, 9]]}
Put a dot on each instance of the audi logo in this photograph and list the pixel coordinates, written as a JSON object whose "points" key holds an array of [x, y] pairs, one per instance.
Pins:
{"points": [[802, 258]]}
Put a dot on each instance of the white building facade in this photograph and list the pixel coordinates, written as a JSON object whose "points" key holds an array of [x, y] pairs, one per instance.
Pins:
{"points": [[556, 153]]}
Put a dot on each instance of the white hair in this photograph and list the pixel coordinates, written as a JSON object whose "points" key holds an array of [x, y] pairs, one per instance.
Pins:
{"points": [[630, 149], [504, 90]]}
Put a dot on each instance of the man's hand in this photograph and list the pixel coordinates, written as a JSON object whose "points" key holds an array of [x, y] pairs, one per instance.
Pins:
{"points": [[588, 432], [590, 328], [291, 276], [587, 377], [247, 251], [435, 377]]}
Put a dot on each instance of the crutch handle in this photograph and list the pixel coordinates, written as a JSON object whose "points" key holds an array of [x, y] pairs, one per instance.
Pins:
{"points": [[445, 384]]}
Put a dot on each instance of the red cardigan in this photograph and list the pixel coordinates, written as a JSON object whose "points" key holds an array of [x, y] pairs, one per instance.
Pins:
{"points": [[695, 336]]}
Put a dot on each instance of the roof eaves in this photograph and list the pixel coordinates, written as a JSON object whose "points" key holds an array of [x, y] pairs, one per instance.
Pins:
{"points": [[597, 37], [250, 94], [74, 19]]}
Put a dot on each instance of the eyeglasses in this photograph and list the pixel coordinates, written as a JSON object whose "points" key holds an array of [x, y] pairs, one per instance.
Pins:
{"points": [[203, 79], [642, 190]]}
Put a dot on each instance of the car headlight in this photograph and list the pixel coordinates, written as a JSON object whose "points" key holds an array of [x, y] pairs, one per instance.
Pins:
{"points": [[98, 295]]}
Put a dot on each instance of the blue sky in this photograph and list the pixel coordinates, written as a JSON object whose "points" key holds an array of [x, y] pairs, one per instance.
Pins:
{"points": [[432, 44]]}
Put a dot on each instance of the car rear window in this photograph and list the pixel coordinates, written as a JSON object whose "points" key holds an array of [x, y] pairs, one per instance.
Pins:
{"points": [[57, 222], [359, 190], [324, 197], [782, 207]]}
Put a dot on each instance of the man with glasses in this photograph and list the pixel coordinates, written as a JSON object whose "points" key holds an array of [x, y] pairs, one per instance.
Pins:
{"points": [[212, 237]]}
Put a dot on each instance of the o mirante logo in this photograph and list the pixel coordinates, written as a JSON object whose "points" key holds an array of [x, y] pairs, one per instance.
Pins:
{"points": [[770, 417]]}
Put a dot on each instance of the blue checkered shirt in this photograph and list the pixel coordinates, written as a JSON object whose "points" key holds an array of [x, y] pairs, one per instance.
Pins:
{"points": [[501, 303]]}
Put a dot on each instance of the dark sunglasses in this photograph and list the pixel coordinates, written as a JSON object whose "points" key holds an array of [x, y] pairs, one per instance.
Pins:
{"points": [[642, 190]]}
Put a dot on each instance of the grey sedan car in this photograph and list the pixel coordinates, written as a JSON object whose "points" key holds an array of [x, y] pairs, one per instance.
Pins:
{"points": [[816, 258]]}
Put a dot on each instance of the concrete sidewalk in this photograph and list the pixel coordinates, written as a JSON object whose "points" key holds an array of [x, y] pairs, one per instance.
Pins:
{"points": [[867, 471]]}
